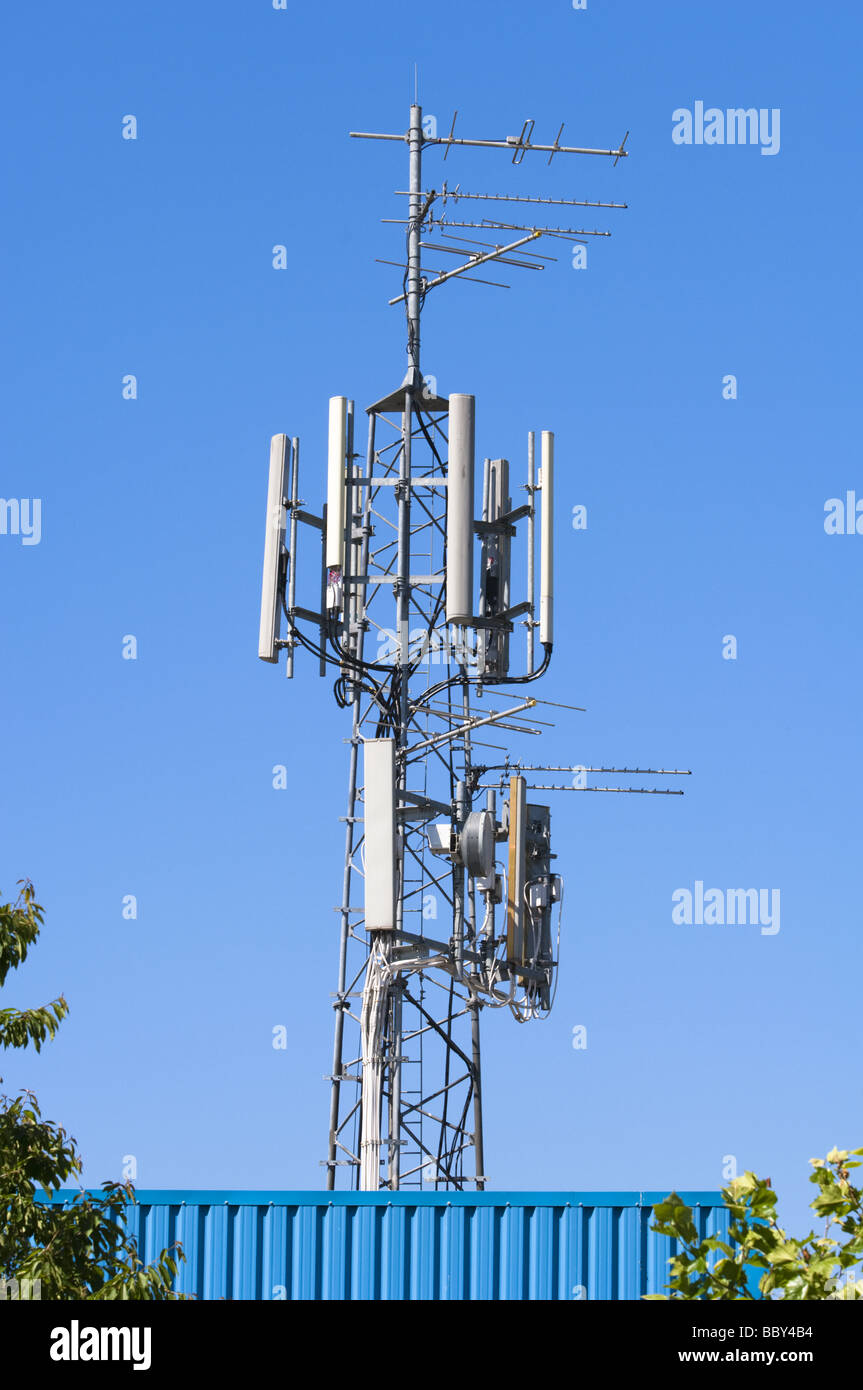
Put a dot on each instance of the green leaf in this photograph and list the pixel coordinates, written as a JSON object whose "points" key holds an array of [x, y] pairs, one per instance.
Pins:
{"points": [[78, 1249]]}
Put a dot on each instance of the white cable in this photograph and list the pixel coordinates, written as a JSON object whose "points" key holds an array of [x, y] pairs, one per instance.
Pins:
{"points": [[372, 1021]]}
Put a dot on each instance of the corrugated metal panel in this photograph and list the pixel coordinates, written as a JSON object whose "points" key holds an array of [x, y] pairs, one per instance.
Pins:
{"points": [[409, 1245]]}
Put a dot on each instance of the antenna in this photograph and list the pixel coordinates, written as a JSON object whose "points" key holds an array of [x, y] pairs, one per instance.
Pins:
{"points": [[412, 607], [336, 454], [422, 204], [274, 546], [380, 834], [517, 869], [546, 568], [460, 510]]}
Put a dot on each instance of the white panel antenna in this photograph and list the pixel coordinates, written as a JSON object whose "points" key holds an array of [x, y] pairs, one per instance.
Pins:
{"points": [[274, 550], [336, 476], [380, 833], [546, 563], [459, 510], [516, 876]]}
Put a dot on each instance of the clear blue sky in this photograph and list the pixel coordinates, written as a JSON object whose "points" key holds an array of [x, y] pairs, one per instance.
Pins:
{"points": [[705, 518]]}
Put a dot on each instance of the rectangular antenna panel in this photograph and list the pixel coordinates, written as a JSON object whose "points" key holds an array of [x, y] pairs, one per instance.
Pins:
{"points": [[274, 541], [546, 563], [380, 833], [493, 643], [540, 892], [516, 877], [336, 475], [459, 510]]}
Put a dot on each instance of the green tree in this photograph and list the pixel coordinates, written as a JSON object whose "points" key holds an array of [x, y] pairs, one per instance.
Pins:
{"points": [[75, 1251], [758, 1251]]}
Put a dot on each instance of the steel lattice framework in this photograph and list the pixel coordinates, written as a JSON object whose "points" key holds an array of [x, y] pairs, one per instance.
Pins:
{"points": [[402, 1005]]}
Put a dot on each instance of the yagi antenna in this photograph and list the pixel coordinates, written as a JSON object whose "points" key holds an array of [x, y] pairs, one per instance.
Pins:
{"points": [[422, 214], [556, 787], [520, 145], [454, 194], [441, 223], [510, 768], [447, 194]]}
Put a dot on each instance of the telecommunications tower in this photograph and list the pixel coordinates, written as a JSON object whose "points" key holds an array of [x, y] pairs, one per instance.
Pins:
{"points": [[450, 898]]}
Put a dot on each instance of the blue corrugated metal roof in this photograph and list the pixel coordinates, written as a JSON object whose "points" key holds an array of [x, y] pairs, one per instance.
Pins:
{"points": [[251, 1197], [413, 1245]]}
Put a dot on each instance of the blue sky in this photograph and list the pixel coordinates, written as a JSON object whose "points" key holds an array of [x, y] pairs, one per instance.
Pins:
{"points": [[705, 518]]}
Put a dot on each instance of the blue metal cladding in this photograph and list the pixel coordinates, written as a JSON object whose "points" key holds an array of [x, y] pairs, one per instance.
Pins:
{"points": [[414, 1245]]}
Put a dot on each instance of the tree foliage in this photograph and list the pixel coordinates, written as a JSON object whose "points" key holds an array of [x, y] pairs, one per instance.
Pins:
{"points": [[760, 1260], [70, 1250]]}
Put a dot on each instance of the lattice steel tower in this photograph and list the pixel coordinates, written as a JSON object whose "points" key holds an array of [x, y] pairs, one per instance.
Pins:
{"points": [[449, 902]]}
